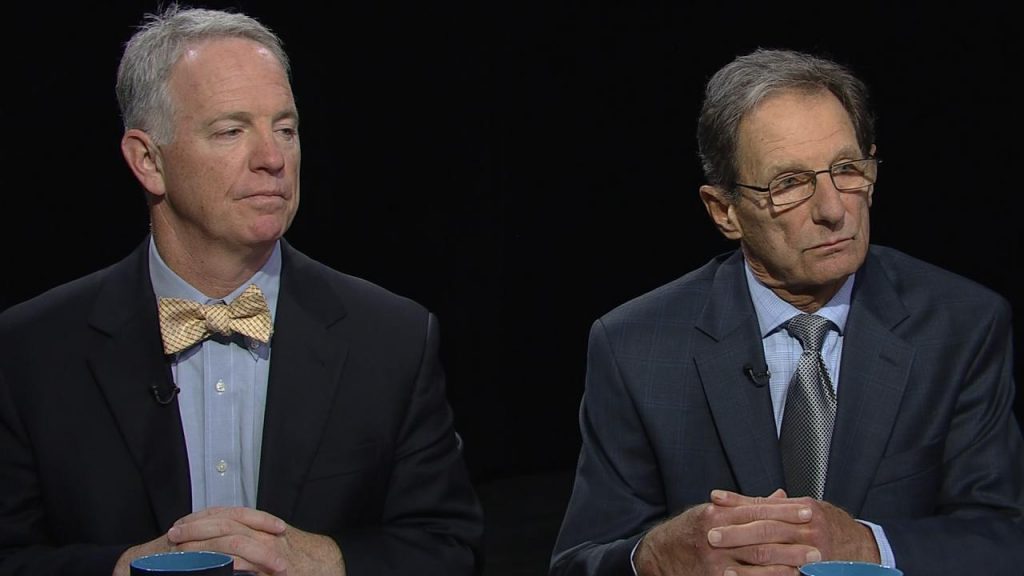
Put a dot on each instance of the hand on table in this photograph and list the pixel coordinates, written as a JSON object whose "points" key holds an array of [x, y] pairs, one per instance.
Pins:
{"points": [[752, 535], [829, 530], [259, 542]]}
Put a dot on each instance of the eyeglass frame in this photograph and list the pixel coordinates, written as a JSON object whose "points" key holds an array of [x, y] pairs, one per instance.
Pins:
{"points": [[813, 181]]}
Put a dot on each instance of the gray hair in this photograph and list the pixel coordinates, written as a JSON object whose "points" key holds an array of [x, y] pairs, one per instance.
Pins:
{"points": [[145, 69], [737, 88]]}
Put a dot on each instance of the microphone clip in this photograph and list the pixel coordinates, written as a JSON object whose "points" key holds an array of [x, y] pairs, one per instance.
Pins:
{"points": [[760, 378], [161, 399]]}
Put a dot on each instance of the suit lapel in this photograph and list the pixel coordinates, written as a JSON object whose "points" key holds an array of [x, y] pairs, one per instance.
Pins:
{"points": [[872, 378], [126, 358], [307, 356], [742, 411]]}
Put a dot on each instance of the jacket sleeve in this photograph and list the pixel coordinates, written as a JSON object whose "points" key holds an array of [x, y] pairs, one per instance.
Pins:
{"points": [[617, 494], [432, 522], [978, 521]]}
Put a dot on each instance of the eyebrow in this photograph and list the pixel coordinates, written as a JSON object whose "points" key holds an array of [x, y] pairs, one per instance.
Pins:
{"points": [[248, 116], [775, 170]]}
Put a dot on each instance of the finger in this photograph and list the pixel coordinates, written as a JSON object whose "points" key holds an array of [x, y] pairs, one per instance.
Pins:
{"points": [[204, 513], [201, 529], [729, 498], [243, 567], [761, 571], [252, 554], [754, 533], [260, 558], [789, 556], [788, 511], [255, 519]]}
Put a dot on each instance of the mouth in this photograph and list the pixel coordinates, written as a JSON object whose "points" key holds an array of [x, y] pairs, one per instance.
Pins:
{"points": [[831, 245], [265, 200], [265, 196]]}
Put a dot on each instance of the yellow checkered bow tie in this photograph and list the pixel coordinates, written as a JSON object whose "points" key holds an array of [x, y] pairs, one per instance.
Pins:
{"points": [[184, 323]]}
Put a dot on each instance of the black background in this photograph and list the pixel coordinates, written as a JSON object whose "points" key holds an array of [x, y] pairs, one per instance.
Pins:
{"points": [[521, 168]]}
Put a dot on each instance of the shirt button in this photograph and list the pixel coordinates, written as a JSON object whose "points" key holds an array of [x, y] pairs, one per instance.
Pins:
{"points": [[222, 466], [220, 387]]}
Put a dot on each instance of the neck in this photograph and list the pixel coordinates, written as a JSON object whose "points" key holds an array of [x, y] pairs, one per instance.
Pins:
{"points": [[809, 302], [808, 298], [211, 269]]}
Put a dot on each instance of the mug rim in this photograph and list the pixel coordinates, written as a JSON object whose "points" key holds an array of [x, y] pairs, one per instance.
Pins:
{"points": [[891, 569], [152, 562]]}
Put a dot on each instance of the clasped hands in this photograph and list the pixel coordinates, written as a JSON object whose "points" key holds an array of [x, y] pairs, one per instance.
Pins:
{"points": [[737, 535], [259, 542]]}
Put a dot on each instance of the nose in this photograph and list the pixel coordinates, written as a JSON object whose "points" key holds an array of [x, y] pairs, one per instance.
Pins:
{"points": [[267, 152], [828, 205]]}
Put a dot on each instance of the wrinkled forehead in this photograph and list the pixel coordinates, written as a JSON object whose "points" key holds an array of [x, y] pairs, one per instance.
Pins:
{"points": [[794, 130]]}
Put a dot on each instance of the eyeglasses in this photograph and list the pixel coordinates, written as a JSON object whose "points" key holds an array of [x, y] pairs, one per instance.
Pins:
{"points": [[795, 187]]}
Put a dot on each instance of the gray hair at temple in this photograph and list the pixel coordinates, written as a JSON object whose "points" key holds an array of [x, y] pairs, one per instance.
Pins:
{"points": [[142, 76], [736, 89]]}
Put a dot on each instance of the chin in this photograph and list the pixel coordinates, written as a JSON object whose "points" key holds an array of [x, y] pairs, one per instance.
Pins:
{"points": [[263, 238], [836, 270], [268, 228]]}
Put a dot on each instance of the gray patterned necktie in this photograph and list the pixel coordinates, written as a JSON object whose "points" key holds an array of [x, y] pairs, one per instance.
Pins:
{"points": [[810, 412]]}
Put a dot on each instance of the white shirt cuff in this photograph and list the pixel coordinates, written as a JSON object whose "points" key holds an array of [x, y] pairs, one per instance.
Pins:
{"points": [[884, 549]]}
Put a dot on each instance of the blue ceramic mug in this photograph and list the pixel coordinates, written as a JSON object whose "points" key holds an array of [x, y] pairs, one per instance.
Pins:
{"points": [[843, 568], [183, 564]]}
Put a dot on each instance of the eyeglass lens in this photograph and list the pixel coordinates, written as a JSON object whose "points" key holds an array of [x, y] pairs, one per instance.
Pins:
{"points": [[795, 187]]}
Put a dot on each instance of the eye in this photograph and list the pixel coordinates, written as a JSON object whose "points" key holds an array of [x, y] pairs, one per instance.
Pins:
{"points": [[288, 132], [787, 181], [846, 168], [229, 132]]}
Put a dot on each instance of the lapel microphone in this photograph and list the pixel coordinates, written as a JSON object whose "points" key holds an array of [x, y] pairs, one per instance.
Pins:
{"points": [[163, 395], [758, 377]]}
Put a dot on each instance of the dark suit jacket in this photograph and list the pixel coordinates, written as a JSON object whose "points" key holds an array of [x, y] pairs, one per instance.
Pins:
{"points": [[358, 441], [925, 442]]}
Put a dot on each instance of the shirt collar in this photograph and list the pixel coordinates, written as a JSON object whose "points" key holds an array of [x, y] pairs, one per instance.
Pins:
{"points": [[773, 312], [167, 283]]}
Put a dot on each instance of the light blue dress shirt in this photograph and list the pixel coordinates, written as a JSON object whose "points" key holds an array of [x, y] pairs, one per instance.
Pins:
{"points": [[223, 384], [781, 352]]}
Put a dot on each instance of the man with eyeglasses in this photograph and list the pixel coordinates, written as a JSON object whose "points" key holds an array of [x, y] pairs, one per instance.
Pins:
{"points": [[809, 396]]}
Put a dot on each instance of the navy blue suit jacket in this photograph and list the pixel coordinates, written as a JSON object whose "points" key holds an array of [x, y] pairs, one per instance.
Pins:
{"points": [[925, 441], [358, 441]]}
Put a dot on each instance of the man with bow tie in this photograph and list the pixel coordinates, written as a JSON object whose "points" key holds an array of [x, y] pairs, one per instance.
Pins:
{"points": [[217, 389]]}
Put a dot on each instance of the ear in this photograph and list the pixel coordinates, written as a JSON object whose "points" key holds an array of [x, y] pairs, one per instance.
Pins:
{"points": [[720, 209], [143, 157]]}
